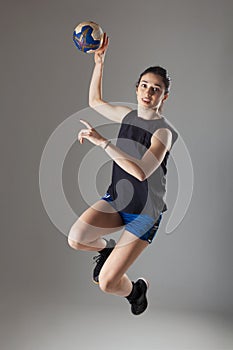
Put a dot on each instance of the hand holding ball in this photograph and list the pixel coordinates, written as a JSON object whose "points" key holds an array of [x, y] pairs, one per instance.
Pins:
{"points": [[88, 37]]}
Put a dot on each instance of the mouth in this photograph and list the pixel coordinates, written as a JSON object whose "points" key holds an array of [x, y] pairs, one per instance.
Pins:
{"points": [[146, 100]]}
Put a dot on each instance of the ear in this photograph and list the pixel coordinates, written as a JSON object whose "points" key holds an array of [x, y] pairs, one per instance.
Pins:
{"points": [[165, 97]]}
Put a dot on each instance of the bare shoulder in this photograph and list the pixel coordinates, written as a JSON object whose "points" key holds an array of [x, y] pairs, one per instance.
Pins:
{"points": [[164, 135], [113, 112]]}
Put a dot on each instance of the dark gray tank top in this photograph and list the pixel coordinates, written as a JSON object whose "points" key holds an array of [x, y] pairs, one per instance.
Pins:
{"points": [[129, 194]]}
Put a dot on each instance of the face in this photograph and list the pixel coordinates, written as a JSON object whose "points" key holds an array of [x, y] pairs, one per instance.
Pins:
{"points": [[151, 91]]}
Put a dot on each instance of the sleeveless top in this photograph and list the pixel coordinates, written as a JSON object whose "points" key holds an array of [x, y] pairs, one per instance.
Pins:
{"points": [[129, 194]]}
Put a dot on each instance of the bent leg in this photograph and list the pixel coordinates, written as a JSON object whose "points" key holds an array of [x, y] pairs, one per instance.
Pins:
{"points": [[98, 220], [112, 278]]}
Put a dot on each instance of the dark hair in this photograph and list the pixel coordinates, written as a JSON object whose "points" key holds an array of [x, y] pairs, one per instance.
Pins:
{"points": [[157, 70]]}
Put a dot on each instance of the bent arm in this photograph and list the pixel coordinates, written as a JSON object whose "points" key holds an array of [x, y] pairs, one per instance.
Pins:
{"points": [[161, 142], [142, 168]]}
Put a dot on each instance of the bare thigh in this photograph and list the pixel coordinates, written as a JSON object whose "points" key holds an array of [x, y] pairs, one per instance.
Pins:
{"points": [[98, 220]]}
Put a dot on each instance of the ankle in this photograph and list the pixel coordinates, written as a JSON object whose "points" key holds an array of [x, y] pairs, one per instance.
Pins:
{"points": [[134, 292]]}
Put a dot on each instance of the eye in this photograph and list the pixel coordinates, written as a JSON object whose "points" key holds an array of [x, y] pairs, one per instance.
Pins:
{"points": [[155, 89], [143, 85]]}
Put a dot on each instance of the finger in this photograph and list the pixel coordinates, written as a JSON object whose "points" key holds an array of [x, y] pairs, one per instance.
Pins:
{"points": [[85, 123], [101, 48], [104, 38], [104, 45], [88, 125], [106, 41], [83, 133], [80, 134], [82, 138]]}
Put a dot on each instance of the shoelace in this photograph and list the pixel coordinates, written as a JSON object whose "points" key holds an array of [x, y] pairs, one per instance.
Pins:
{"points": [[97, 258]]}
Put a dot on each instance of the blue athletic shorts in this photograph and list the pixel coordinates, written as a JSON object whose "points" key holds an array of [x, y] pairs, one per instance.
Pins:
{"points": [[141, 225]]}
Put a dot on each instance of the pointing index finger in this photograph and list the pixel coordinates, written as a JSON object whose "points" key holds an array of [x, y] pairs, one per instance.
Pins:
{"points": [[86, 123]]}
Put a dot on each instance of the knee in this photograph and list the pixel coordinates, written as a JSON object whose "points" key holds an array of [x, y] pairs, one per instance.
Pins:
{"points": [[107, 284], [73, 244], [74, 239]]}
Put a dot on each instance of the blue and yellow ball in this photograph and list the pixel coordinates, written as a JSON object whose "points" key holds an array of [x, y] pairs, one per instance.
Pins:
{"points": [[88, 36]]}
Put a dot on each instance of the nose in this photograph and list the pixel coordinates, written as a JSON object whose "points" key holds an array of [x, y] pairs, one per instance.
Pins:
{"points": [[150, 91]]}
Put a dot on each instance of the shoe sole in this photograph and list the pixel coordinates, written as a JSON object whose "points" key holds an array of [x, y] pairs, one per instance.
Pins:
{"points": [[95, 282]]}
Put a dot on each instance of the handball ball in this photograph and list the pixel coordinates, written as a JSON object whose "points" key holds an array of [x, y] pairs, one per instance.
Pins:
{"points": [[88, 37]]}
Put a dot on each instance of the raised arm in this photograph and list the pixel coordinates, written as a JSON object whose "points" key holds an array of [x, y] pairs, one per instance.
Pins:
{"points": [[112, 112]]}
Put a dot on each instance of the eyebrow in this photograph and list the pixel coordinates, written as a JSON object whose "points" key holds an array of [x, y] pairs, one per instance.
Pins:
{"points": [[144, 81]]}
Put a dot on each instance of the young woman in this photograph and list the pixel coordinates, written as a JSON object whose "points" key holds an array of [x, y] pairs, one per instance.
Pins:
{"points": [[135, 198]]}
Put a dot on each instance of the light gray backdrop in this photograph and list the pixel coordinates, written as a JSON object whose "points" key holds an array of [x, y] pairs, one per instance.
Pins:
{"points": [[45, 80]]}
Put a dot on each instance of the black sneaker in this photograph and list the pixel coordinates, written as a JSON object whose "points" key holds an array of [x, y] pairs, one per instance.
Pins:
{"points": [[139, 304], [101, 258]]}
